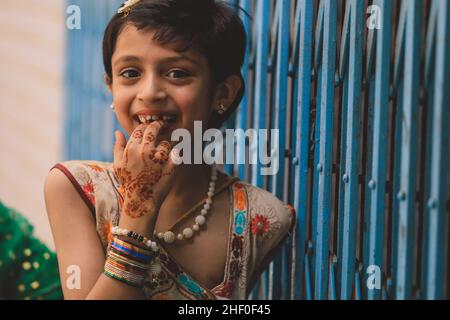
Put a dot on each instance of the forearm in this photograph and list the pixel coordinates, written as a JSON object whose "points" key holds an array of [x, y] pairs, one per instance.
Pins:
{"points": [[141, 220], [111, 289]]}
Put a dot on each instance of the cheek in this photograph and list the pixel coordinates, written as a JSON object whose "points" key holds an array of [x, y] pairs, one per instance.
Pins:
{"points": [[122, 101], [194, 103], [122, 97]]}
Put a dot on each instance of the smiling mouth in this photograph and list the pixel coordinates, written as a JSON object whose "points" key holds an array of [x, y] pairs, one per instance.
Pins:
{"points": [[147, 119]]}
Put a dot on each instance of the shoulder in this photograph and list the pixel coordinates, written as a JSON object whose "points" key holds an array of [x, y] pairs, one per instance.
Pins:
{"points": [[83, 168], [86, 176], [269, 216]]}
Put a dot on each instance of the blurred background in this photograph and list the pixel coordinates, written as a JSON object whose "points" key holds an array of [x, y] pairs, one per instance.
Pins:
{"points": [[32, 57]]}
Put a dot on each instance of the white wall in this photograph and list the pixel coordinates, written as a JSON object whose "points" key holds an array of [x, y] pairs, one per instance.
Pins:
{"points": [[31, 103]]}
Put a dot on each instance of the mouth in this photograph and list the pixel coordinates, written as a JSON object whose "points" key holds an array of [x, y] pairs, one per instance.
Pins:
{"points": [[168, 119]]}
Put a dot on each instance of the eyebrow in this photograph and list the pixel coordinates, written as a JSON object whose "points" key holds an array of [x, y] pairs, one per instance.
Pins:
{"points": [[131, 58]]}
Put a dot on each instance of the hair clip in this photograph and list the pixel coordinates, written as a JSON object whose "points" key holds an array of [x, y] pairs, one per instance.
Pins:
{"points": [[127, 6]]}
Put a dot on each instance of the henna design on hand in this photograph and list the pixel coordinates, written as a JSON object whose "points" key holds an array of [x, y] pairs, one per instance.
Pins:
{"points": [[138, 133], [149, 138], [139, 180]]}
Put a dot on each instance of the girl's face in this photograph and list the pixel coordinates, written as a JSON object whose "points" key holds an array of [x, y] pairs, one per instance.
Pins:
{"points": [[157, 80]]}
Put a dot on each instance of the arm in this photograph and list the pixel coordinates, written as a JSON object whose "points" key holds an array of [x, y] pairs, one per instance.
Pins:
{"points": [[77, 243]]}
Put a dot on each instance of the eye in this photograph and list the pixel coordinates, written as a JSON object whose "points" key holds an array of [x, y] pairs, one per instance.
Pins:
{"points": [[130, 73], [177, 74]]}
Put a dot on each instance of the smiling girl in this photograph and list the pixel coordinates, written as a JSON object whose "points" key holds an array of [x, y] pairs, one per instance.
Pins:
{"points": [[142, 227]]}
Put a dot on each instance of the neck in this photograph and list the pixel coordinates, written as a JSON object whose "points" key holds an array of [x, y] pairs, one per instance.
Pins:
{"points": [[190, 186]]}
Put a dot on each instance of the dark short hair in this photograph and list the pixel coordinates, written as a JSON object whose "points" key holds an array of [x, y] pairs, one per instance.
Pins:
{"points": [[210, 27]]}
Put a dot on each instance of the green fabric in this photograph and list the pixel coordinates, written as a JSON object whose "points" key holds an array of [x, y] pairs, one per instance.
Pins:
{"points": [[28, 269]]}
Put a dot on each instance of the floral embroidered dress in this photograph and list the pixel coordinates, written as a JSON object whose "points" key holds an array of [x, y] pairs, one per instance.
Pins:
{"points": [[259, 223]]}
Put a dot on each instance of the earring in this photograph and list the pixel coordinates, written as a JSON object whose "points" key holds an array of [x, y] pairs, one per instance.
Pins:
{"points": [[112, 106], [221, 109]]}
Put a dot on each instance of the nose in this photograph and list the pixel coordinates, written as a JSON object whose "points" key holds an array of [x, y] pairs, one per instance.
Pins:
{"points": [[152, 89]]}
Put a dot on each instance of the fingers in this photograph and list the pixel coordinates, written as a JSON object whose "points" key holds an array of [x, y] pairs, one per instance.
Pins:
{"points": [[119, 146], [136, 135], [170, 168], [163, 151], [150, 134]]}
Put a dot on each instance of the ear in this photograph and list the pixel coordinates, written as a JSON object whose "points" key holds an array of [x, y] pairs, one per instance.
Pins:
{"points": [[226, 91], [108, 82]]}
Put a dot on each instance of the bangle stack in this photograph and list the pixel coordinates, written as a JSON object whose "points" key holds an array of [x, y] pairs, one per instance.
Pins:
{"points": [[128, 262], [116, 231]]}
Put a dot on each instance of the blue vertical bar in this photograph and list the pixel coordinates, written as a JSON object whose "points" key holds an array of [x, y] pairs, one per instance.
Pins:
{"points": [[437, 263], [281, 81], [369, 82], [231, 122], [242, 112], [262, 31], [407, 191], [397, 86], [343, 66], [68, 88], [352, 151], [96, 128], [281, 290], [326, 149], [357, 282], [318, 38], [308, 289], [260, 87], [430, 56], [332, 279], [302, 140], [377, 184]]}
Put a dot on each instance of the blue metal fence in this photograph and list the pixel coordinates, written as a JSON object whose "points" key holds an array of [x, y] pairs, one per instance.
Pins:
{"points": [[360, 91]]}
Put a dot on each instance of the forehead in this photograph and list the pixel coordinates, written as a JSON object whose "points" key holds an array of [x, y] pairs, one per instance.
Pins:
{"points": [[140, 43]]}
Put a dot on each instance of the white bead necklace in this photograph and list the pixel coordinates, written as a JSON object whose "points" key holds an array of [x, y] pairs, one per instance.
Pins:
{"points": [[200, 220]]}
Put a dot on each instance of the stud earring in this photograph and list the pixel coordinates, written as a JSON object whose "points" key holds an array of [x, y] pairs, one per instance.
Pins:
{"points": [[221, 109], [112, 106]]}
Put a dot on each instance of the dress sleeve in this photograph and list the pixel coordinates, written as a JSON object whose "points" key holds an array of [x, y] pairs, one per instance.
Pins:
{"points": [[28, 269], [78, 174], [271, 224], [99, 189]]}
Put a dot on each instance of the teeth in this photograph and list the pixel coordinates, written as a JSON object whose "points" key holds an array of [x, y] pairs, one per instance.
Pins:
{"points": [[147, 119]]}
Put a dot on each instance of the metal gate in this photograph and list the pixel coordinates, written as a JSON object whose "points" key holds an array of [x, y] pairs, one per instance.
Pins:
{"points": [[360, 91]]}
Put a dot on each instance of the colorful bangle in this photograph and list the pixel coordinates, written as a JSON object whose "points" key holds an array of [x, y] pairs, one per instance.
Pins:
{"points": [[125, 269], [132, 246], [114, 276], [123, 274], [124, 277], [123, 259], [136, 277], [127, 262], [136, 255], [135, 236], [126, 266]]}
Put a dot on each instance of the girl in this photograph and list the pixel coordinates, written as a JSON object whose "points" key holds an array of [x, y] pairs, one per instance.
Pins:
{"points": [[142, 227]]}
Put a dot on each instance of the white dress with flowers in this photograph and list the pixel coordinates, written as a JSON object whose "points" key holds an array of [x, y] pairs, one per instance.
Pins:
{"points": [[259, 224]]}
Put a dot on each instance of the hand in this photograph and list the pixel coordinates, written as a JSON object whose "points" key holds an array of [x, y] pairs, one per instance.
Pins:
{"points": [[144, 169]]}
